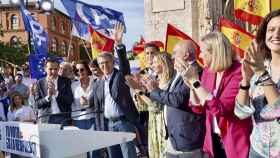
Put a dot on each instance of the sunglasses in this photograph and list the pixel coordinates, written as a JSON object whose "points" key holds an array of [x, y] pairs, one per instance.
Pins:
{"points": [[81, 70]]}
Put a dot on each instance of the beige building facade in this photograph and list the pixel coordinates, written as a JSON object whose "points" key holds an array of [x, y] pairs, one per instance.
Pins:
{"points": [[194, 17]]}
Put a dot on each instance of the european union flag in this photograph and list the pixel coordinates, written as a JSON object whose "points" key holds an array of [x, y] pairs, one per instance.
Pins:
{"points": [[99, 17], [37, 65], [80, 30], [39, 37]]}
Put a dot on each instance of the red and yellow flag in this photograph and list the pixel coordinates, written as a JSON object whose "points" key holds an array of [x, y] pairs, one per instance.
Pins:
{"points": [[99, 43], [139, 46], [253, 11], [174, 35], [238, 37]]}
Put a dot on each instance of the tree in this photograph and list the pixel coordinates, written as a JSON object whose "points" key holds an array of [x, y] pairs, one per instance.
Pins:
{"points": [[16, 55], [1, 30]]}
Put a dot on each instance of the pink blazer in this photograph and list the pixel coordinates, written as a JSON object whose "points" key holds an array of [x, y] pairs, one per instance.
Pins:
{"points": [[235, 133]]}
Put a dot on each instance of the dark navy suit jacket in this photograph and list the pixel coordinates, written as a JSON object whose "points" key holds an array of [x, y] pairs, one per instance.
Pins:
{"points": [[64, 98], [119, 90], [185, 128]]}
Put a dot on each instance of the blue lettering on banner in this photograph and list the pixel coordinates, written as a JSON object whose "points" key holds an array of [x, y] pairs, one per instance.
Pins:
{"points": [[14, 141]]}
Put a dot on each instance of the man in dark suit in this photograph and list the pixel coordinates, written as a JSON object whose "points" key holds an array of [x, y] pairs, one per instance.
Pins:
{"points": [[185, 129], [112, 95], [54, 95]]}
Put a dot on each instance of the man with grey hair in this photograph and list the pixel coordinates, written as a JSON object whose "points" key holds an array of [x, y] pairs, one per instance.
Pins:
{"points": [[185, 50], [112, 95], [66, 70]]}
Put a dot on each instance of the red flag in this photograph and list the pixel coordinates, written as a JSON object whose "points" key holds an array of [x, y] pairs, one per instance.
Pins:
{"points": [[99, 43], [238, 37], [139, 47], [174, 35]]}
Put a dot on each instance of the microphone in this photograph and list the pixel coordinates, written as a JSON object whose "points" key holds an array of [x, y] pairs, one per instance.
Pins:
{"points": [[60, 113], [76, 116]]}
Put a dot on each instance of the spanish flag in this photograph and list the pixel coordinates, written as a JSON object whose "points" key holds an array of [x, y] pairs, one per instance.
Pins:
{"points": [[253, 11], [139, 46], [174, 35], [238, 37], [99, 43]]}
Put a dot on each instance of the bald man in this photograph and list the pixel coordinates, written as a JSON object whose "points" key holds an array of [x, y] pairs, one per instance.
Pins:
{"points": [[186, 50]]}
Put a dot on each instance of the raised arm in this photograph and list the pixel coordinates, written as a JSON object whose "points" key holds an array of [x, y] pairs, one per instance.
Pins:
{"points": [[124, 66]]}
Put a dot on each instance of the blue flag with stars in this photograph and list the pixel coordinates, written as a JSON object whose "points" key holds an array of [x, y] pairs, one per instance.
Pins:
{"points": [[101, 18], [39, 36], [37, 65]]}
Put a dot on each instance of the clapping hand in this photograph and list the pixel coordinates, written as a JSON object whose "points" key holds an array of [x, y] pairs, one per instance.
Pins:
{"points": [[83, 101], [149, 83], [188, 72], [133, 82], [51, 88], [255, 58], [246, 70], [118, 33]]}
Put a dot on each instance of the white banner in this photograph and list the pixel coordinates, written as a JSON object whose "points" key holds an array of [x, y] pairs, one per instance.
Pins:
{"points": [[20, 138]]}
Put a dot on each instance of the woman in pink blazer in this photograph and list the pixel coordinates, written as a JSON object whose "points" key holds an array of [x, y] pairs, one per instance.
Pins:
{"points": [[226, 135]]}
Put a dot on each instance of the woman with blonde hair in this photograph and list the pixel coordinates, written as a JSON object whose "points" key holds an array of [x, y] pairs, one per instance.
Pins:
{"points": [[226, 135], [163, 67]]}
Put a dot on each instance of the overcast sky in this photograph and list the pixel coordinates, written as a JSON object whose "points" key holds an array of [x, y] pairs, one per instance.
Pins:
{"points": [[133, 11]]}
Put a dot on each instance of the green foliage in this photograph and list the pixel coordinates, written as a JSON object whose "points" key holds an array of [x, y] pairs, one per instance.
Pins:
{"points": [[130, 55], [1, 30], [83, 53], [16, 55]]}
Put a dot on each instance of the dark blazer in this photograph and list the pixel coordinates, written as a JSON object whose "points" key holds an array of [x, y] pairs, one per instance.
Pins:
{"points": [[119, 90], [185, 128], [64, 98]]}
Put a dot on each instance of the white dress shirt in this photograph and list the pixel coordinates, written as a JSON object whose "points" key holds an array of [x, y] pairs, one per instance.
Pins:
{"points": [[78, 92], [111, 109]]}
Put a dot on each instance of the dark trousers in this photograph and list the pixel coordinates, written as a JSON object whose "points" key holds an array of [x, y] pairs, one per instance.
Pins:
{"points": [[59, 120], [219, 151]]}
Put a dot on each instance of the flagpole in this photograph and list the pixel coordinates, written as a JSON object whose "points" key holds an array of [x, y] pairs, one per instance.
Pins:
{"points": [[86, 49], [69, 47], [91, 46], [29, 43]]}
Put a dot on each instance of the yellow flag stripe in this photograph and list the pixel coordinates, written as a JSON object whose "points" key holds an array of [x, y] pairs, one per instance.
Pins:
{"points": [[255, 7], [275, 4], [171, 42], [237, 38]]}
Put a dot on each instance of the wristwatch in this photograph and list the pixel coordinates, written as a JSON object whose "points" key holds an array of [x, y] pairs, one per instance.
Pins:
{"points": [[247, 87], [196, 84]]}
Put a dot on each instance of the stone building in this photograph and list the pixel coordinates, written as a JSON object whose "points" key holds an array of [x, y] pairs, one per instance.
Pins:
{"points": [[194, 17], [57, 24]]}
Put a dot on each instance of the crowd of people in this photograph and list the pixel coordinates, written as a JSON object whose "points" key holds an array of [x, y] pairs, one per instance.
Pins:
{"points": [[226, 108]]}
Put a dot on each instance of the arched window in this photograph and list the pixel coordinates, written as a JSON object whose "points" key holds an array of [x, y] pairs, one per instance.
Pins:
{"points": [[72, 49], [14, 22], [14, 41], [63, 48], [62, 27], [53, 23], [54, 45]]}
